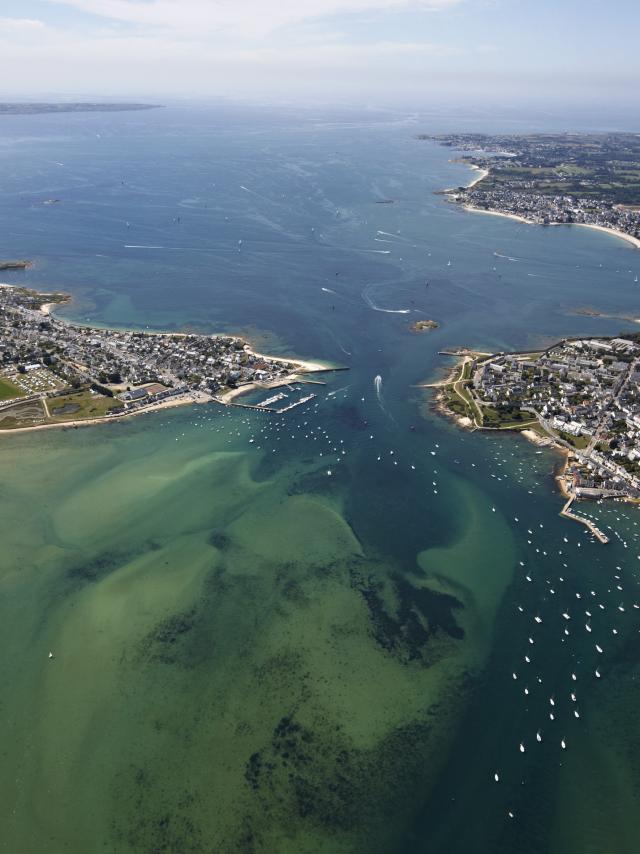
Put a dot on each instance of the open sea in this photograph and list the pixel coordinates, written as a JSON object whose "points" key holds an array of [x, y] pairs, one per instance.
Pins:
{"points": [[252, 654]]}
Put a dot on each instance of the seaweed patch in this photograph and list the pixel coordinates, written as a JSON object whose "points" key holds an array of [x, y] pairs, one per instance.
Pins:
{"points": [[419, 614]]}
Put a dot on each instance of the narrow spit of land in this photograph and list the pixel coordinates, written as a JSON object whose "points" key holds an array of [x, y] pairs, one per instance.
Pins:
{"points": [[54, 373]]}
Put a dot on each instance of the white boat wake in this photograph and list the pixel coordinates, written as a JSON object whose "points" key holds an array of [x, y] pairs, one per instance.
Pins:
{"points": [[506, 257], [377, 384], [372, 305], [390, 234]]}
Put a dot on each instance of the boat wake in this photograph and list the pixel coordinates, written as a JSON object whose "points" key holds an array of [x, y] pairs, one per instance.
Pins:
{"points": [[395, 236], [371, 304], [507, 257], [377, 384]]}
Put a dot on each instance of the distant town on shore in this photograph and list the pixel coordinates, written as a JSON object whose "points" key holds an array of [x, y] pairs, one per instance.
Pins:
{"points": [[582, 179]]}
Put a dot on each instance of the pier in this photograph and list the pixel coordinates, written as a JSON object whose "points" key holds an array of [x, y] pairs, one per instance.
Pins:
{"points": [[243, 405], [296, 403], [568, 513]]}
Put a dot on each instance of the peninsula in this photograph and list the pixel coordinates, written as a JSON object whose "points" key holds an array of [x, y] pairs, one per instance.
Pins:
{"points": [[30, 109], [54, 373], [553, 179], [580, 395]]}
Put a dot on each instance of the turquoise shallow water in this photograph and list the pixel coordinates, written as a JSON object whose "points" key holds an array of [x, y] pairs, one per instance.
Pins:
{"points": [[250, 654]]}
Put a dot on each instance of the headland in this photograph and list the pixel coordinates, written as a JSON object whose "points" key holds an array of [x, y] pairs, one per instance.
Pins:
{"points": [[580, 396], [55, 373]]}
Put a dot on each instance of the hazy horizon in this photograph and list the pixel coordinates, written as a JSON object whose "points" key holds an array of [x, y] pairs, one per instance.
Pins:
{"points": [[382, 52]]}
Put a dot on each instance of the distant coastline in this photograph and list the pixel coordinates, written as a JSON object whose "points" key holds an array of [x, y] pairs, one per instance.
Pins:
{"points": [[634, 241], [552, 179], [36, 108]]}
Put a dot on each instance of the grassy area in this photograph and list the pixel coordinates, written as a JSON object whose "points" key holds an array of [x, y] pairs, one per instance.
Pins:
{"points": [[8, 390], [453, 402], [80, 405], [511, 418], [537, 428], [579, 442], [21, 414]]}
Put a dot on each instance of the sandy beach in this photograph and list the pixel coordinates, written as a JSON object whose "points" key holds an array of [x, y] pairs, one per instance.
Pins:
{"points": [[307, 367], [499, 213], [482, 174], [612, 231], [186, 400], [537, 439], [480, 177]]}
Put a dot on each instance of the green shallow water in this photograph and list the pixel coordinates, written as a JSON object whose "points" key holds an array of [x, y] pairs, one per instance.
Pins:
{"points": [[252, 655], [229, 662]]}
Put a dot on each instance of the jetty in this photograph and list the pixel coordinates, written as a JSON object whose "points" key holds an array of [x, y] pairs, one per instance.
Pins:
{"points": [[242, 405], [568, 513], [296, 403]]}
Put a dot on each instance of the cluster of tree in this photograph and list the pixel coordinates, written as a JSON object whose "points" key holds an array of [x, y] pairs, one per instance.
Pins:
{"points": [[101, 389], [114, 377]]}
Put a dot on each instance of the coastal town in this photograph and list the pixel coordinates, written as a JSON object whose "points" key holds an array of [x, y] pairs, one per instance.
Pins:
{"points": [[548, 179], [55, 372], [581, 395]]}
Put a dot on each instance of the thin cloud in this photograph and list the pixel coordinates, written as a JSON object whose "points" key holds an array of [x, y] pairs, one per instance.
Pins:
{"points": [[243, 18], [20, 25]]}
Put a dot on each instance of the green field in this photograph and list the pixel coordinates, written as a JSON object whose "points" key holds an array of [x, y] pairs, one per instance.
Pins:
{"points": [[579, 442], [8, 390], [84, 404]]}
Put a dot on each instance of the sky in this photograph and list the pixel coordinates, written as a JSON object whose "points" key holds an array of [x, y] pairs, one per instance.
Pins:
{"points": [[376, 51]]}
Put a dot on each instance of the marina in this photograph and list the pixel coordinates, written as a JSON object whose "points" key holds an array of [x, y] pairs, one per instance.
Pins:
{"points": [[571, 514]]}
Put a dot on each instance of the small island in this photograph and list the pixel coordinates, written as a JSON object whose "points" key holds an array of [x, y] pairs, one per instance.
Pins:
{"points": [[553, 179], [14, 265], [55, 373], [423, 325], [581, 396]]}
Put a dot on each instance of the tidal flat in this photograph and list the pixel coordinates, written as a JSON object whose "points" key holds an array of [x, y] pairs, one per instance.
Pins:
{"points": [[231, 666]]}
